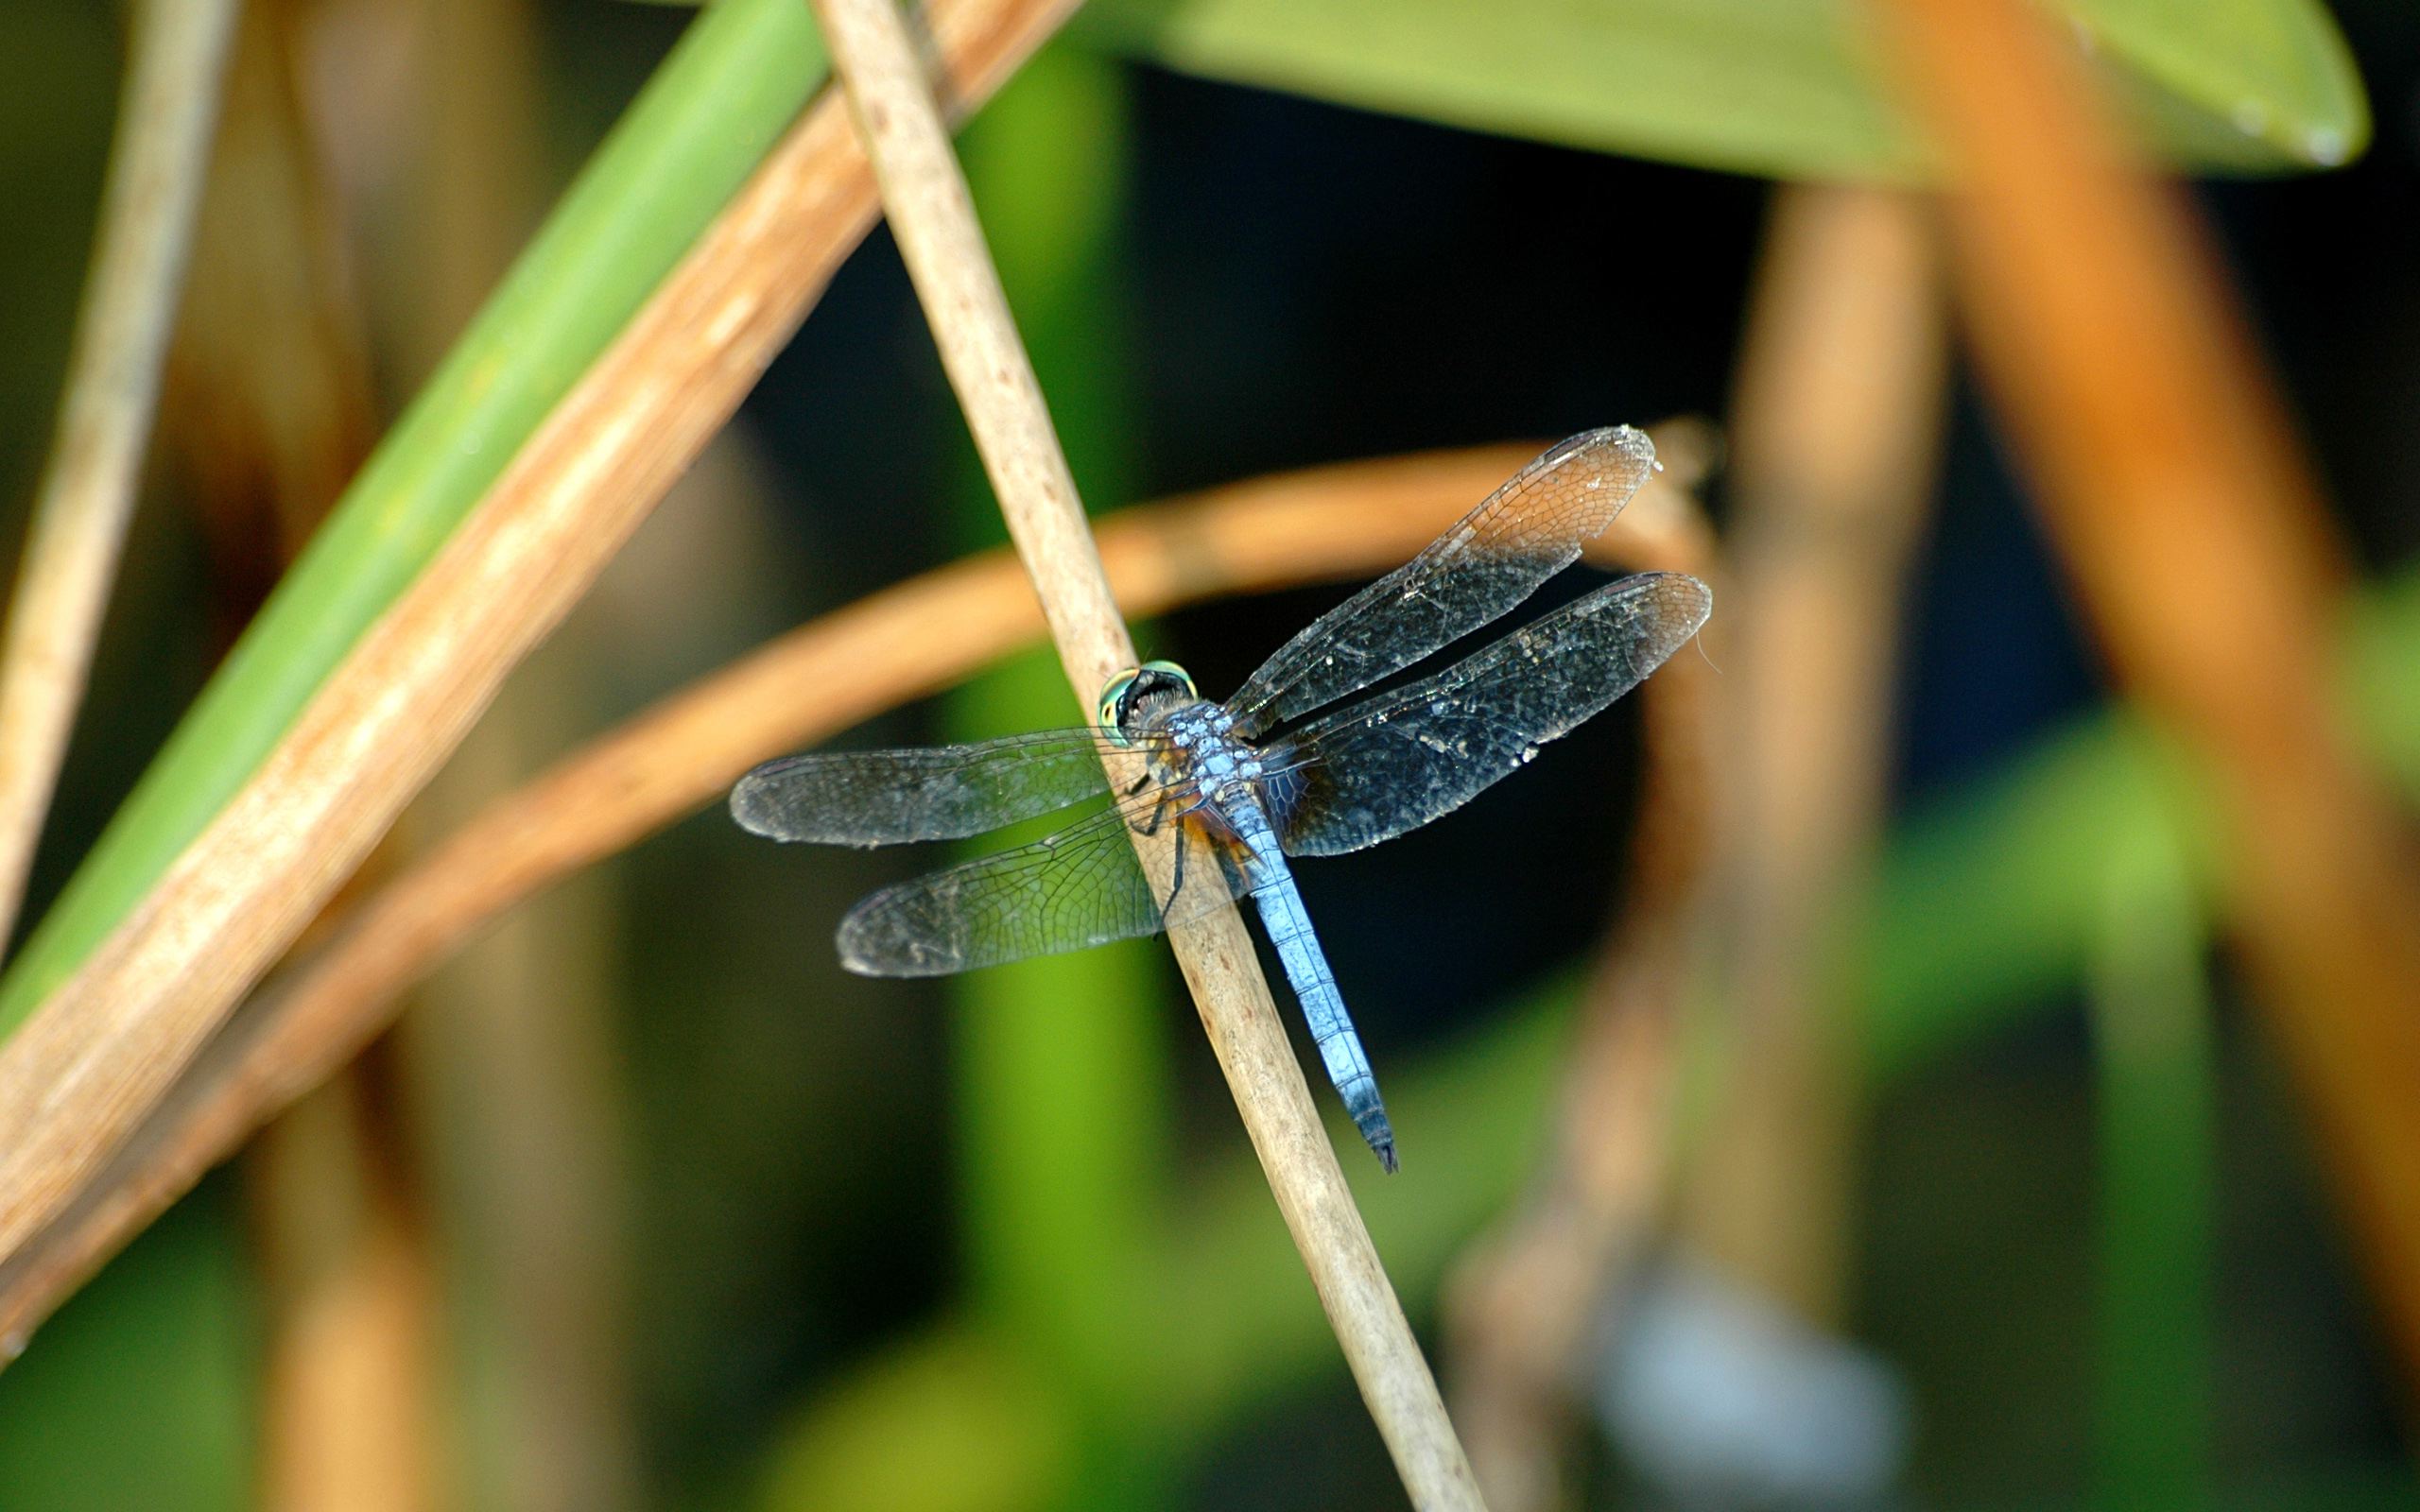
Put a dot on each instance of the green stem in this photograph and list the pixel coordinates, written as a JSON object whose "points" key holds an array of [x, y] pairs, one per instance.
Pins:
{"points": [[2158, 1126]]}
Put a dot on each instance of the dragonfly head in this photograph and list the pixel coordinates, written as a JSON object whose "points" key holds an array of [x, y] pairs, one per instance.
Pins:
{"points": [[1133, 695]]}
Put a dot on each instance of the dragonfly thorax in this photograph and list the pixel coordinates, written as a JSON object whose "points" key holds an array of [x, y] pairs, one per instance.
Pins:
{"points": [[1204, 747]]}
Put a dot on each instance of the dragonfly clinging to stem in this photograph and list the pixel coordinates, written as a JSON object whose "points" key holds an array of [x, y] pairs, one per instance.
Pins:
{"points": [[1251, 782]]}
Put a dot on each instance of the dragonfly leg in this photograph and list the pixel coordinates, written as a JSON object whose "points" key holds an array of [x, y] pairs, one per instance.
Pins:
{"points": [[1176, 886], [1159, 816]]}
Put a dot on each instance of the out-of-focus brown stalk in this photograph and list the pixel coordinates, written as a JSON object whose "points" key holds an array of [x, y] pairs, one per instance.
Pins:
{"points": [[346, 1369], [2176, 496], [1521, 1310], [269, 407], [268, 404], [505, 1064], [87, 495], [1763, 791], [80, 1076], [1349, 521], [1835, 434]]}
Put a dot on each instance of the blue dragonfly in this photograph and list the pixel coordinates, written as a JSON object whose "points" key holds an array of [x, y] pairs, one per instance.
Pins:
{"points": [[1249, 782]]}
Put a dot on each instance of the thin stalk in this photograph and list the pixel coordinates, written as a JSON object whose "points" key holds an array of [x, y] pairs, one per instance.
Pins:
{"points": [[1063, 1064], [933, 218], [1523, 1308], [148, 209]]}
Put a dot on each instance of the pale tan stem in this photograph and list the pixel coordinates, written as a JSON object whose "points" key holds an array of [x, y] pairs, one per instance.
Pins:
{"points": [[80, 517], [933, 218], [348, 1295]]}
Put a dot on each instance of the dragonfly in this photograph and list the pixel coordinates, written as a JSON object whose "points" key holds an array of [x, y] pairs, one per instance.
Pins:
{"points": [[1265, 777]]}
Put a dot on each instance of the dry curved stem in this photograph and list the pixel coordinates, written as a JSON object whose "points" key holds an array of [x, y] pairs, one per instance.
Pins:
{"points": [[87, 495], [1326, 524], [932, 216], [85, 1072], [2172, 487]]}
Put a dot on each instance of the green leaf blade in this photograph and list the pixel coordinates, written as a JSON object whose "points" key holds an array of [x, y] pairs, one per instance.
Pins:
{"points": [[1792, 88]]}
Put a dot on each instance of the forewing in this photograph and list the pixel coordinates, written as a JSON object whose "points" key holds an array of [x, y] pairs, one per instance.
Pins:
{"points": [[1527, 531], [1396, 761], [869, 798], [1078, 888]]}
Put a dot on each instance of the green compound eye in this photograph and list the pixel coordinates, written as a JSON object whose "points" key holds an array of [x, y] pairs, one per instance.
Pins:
{"points": [[1112, 699], [1117, 700]]}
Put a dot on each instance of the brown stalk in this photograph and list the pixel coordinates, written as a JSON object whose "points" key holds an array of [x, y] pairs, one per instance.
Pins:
{"points": [[87, 493], [2174, 491], [915, 639], [1763, 789], [84, 1072], [269, 409], [505, 1065], [345, 1267], [932, 215], [1835, 434], [503, 1074]]}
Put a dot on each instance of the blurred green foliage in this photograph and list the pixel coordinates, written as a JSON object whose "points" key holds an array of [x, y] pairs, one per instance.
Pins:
{"points": [[2154, 1031], [145, 1394]]}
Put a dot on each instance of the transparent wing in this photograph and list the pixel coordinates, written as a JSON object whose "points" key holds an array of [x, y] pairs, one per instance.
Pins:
{"points": [[870, 797], [1396, 761], [1080, 886], [1525, 532]]}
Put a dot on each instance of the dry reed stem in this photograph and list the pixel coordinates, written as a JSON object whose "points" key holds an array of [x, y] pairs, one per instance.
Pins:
{"points": [[1836, 434], [508, 1054], [2176, 494], [80, 517], [932, 216], [82, 1073]]}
